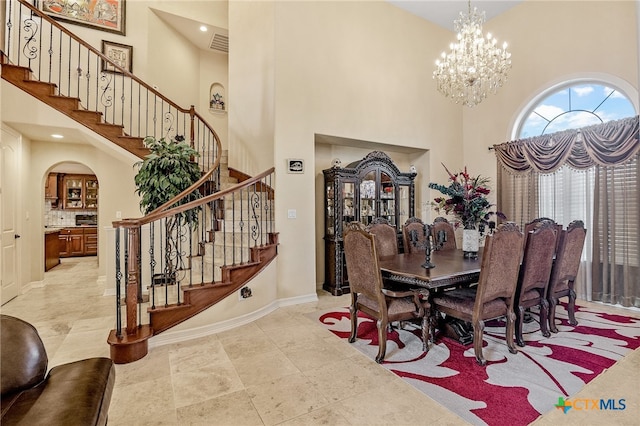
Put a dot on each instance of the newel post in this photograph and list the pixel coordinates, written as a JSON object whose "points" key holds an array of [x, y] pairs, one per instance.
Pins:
{"points": [[192, 131], [132, 264]]}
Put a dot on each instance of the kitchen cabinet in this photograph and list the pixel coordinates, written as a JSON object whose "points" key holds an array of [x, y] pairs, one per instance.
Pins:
{"points": [[80, 192], [90, 241], [71, 242], [361, 191], [51, 187], [51, 249]]}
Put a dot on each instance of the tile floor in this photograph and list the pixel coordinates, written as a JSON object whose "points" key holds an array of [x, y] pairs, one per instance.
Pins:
{"points": [[279, 370]]}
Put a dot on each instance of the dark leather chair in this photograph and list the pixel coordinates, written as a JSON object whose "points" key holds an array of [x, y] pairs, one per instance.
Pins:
{"points": [[415, 225], [533, 279], [564, 271], [386, 236], [493, 297], [76, 393], [441, 224], [368, 294]]}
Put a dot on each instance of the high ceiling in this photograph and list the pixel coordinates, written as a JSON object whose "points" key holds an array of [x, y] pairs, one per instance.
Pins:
{"points": [[440, 12], [444, 12]]}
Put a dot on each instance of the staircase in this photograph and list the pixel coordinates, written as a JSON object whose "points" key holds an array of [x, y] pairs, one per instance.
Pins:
{"points": [[166, 270], [22, 77]]}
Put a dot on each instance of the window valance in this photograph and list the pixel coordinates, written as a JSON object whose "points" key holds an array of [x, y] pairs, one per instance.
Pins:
{"points": [[606, 144]]}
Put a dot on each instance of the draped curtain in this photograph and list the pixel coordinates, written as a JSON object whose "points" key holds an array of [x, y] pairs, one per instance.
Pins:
{"points": [[609, 150]]}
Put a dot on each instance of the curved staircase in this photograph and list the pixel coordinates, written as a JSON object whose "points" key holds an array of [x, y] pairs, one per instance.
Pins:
{"points": [[166, 271]]}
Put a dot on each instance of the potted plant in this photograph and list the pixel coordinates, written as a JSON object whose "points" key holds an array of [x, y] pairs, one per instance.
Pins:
{"points": [[165, 172], [466, 199]]}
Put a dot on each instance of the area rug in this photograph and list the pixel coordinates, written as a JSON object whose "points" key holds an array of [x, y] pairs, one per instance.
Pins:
{"points": [[512, 389]]}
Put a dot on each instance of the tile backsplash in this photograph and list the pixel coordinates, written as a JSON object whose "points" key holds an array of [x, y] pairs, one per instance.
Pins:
{"points": [[53, 217]]}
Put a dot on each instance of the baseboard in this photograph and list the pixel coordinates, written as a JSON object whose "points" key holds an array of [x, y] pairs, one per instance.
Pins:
{"points": [[169, 337]]}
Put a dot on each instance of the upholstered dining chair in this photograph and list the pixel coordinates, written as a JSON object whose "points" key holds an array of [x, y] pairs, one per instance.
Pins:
{"points": [[442, 224], [564, 271], [533, 279], [493, 297], [386, 236], [368, 294], [417, 226], [530, 226]]}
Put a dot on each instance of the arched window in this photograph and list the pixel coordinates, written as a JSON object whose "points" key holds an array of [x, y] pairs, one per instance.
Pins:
{"points": [[605, 198], [575, 105]]}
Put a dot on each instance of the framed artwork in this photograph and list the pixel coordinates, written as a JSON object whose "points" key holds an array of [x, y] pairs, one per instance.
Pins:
{"points": [[105, 15], [121, 54], [295, 165]]}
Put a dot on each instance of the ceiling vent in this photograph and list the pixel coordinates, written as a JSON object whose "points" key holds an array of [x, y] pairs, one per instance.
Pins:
{"points": [[220, 42]]}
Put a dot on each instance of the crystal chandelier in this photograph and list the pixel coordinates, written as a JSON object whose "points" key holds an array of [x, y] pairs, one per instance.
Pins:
{"points": [[475, 65]]}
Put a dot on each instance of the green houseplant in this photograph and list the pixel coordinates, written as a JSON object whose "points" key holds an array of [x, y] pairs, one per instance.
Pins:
{"points": [[165, 172]]}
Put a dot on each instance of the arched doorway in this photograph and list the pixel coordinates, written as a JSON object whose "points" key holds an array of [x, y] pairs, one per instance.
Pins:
{"points": [[70, 212]]}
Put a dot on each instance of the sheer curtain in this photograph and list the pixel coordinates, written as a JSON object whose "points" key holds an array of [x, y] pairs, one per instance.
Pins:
{"points": [[565, 196], [589, 174]]}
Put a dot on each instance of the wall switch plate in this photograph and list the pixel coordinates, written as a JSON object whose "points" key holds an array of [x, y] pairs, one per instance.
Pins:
{"points": [[291, 214]]}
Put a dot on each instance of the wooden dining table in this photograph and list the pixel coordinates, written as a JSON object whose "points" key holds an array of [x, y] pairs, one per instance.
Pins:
{"points": [[451, 270]]}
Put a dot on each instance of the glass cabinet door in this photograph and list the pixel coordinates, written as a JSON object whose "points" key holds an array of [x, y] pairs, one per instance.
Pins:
{"points": [[387, 199], [348, 209], [330, 212], [73, 193], [368, 198], [91, 194], [404, 204]]}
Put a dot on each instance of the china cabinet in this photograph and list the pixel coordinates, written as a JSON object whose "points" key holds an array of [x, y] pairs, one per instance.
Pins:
{"points": [[361, 191], [80, 192]]}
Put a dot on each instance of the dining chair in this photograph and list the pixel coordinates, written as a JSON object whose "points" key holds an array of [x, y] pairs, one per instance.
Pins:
{"points": [[386, 236], [369, 296], [533, 279], [493, 297], [530, 226], [564, 271], [413, 230], [441, 224]]}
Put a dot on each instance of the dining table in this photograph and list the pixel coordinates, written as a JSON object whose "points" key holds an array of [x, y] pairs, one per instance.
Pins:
{"points": [[451, 269]]}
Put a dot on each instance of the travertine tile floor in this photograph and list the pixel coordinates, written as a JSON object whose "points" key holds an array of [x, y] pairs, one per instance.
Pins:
{"points": [[281, 369]]}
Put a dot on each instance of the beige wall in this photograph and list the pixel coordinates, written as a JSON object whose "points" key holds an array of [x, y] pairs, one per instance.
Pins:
{"points": [[358, 70], [251, 85], [551, 42]]}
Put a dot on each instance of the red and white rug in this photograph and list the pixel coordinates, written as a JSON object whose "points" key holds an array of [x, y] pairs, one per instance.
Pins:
{"points": [[512, 389]]}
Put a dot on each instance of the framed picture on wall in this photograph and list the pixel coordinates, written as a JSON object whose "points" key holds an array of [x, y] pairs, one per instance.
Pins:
{"points": [[120, 54], [105, 15], [295, 165]]}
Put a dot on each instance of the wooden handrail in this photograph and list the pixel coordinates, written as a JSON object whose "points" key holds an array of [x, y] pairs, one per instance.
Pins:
{"points": [[51, 21], [156, 214]]}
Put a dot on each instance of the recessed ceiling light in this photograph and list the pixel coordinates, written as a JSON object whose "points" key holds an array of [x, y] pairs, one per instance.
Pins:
{"points": [[203, 28], [56, 136]]}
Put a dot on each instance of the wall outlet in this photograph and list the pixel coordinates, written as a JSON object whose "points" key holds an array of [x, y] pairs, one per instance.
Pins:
{"points": [[244, 293]]}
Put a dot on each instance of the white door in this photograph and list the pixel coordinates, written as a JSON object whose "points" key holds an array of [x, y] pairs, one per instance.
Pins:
{"points": [[9, 173]]}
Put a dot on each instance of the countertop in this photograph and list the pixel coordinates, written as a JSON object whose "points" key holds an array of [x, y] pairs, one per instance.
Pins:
{"points": [[54, 229]]}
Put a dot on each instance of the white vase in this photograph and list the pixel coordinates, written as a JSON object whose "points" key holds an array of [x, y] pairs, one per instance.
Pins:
{"points": [[470, 242]]}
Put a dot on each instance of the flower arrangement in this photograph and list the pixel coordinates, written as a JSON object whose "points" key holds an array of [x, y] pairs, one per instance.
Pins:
{"points": [[466, 198]]}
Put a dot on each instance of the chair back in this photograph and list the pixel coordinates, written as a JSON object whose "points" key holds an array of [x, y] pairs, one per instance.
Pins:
{"points": [[23, 358], [538, 257], [500, 266], [442, 224], [386, 237], [362, 263], [531, 226], [567, 263], [413, 226]]}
